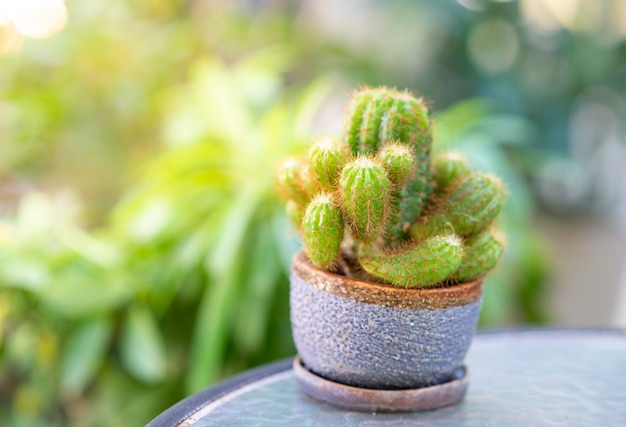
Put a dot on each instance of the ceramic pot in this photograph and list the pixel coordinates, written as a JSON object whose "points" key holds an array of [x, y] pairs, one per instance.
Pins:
{"points": [[378, 336]]}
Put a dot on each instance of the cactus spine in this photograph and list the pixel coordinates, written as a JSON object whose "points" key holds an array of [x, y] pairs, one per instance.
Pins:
{"points": [[403, 220]]}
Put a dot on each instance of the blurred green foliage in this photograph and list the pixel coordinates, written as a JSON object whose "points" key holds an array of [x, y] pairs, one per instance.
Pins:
{"points": [[143, 254], [186, 283]]}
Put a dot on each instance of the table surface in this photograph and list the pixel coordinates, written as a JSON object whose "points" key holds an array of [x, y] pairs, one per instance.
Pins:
{"points": [[517, 378]]}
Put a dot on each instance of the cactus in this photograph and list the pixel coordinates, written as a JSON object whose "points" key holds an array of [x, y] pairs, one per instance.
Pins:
{"points": [[448, 167], [290, 181], [322, 227], [421, 265], [398, 161], [379, 117], [372, 201], [481, 253], [326, 159], [470, 207], [364, 189]]}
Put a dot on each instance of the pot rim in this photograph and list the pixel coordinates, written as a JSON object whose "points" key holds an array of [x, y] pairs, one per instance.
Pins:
{"points": [[383, 294]]}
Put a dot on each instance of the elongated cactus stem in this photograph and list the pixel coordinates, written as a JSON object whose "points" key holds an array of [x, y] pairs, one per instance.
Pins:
{"points": [[290, 182], [470, 208], [482, 253], [421, 265], [380, 116], [322, 229], [364, 189], [326, 159]]}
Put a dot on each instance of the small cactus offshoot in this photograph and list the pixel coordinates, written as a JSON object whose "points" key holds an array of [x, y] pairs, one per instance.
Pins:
{"points": [[322, 226], [364, 189], [375, 198]]}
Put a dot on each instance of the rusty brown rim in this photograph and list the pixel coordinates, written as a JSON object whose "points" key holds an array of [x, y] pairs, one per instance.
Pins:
{"points": [[363, 399], [386, 295]]}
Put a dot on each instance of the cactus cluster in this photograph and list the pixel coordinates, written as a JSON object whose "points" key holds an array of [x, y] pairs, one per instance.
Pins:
{"points": [[375, 204]]}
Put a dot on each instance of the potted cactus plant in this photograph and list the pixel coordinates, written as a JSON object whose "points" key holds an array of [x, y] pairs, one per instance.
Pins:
{"points": [[385, 296]]}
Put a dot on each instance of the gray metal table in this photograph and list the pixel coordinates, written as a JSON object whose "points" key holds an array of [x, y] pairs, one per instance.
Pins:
{"points": [[518, 378]]}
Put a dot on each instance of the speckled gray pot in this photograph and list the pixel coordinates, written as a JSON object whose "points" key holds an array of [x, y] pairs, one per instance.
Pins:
{"points": [[377, 336]]}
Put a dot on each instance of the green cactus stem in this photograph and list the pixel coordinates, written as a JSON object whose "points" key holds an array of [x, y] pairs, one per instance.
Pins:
{"points": [[377, 117], [290, 182], [397, 160], [409, 204], [322, 229], [482, 253], [364, 189], [448, 168], [326, 159], [309, 185], [472, 205], [380, 116], [364, 120], [422, 265]]}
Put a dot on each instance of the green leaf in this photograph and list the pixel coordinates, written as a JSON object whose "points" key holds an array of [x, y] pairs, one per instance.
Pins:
{"points": [[23, 273], [79, 292], [142, 346], [224, 266], [260, 284], [509, 129], [273, 59], [83, 355], [20, 346], [216, 95], [151, 221], [98, 251]]}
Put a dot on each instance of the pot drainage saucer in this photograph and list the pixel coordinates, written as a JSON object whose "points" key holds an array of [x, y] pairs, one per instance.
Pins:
{"points": [[370, 400]]}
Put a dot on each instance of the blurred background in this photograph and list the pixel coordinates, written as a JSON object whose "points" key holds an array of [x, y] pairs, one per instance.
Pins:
{"points": [[143, 253]]}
